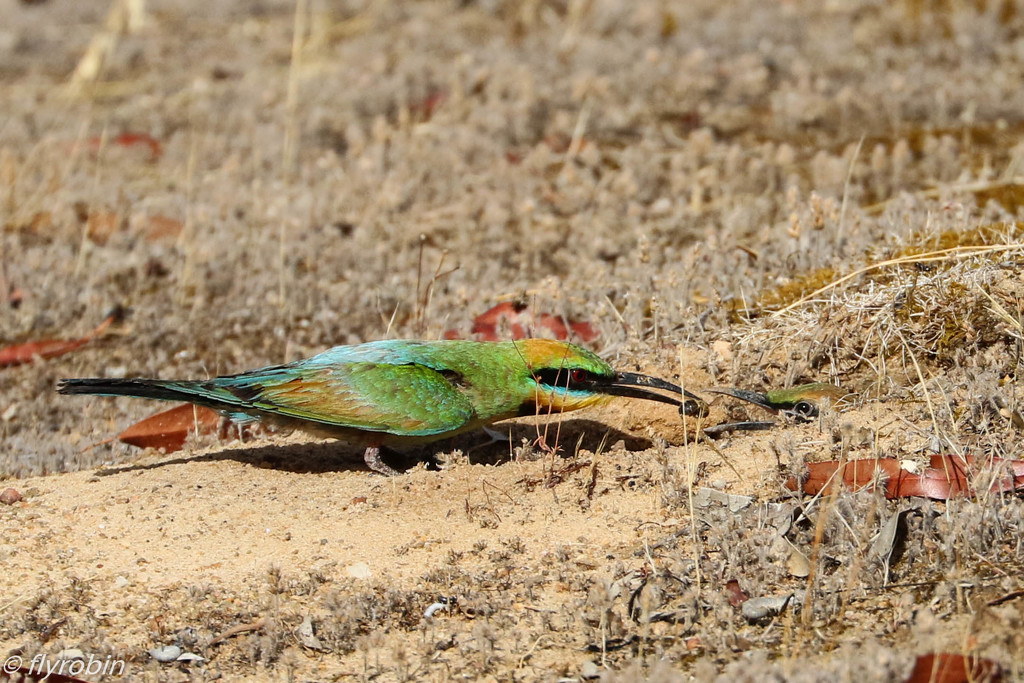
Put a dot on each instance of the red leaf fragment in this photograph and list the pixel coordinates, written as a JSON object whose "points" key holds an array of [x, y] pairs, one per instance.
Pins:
{"points": [[169, 429], [132, 140], [19, 354], [946, 667], [948, 476], [514, 320], [737, 596], [140, 139], [29, 351]]}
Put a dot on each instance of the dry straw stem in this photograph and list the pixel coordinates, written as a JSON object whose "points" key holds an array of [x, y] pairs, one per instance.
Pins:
{"points": [[691, 478], [187, 237], [828, 505], [951, 254], [83, 243], [928, 400], [299, 30], [846, 188], [424, 295], [1000, 311], [576, 142], [124, 16]]}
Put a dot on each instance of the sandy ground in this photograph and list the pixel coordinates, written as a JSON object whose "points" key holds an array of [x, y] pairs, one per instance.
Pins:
{"points": [[671, 173]]}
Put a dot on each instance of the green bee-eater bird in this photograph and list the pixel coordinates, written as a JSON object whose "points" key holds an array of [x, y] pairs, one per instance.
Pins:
{"points": [[800, 402], [407, 392]]}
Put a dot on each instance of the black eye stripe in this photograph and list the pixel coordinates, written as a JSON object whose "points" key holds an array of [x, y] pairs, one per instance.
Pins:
{"points": [[555, 377]]}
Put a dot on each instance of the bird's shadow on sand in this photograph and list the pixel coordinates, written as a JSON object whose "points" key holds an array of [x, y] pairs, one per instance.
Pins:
{"points": [[336, 456]]}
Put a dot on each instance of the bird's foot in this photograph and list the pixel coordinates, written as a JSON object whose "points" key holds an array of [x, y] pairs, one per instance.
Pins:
{"points": [[373, 460], [496, 436]]}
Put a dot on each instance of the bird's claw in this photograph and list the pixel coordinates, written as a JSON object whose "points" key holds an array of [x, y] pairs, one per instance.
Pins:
{"points": [[373, 460]]}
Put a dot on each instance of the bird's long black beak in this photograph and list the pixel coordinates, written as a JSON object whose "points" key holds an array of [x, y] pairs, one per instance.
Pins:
{"points": [[635, 385], [755, 397]]}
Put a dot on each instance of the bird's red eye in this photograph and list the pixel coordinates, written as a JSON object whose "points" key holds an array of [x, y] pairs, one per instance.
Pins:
{"points": [[577, 375]]}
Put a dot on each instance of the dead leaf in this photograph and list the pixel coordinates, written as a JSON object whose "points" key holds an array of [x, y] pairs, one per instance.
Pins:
{"points": [[19, 354], [514, 320], [798, 564], [948, 476], [307, 636], [169, 429], [887, 546], [885, 540], [946, 667], [142, 141], [737, 596], [705, 497]]}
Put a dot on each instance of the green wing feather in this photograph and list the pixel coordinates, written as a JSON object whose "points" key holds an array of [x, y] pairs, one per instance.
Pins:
{"points": [[405, 400]]}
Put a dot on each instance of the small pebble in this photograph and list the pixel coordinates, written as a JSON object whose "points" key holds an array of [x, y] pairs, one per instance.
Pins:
{"points": [[359, 570], [10, 496], [434, 609], [661, 207], [165, 653], [189, 657]]}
